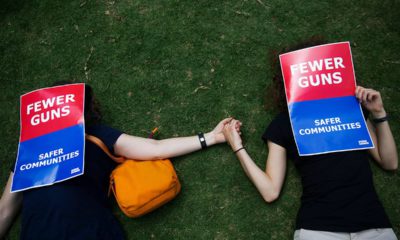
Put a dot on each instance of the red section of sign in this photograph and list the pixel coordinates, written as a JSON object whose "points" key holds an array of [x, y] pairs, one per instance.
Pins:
{"points": [[51, 109], [320, 72]]}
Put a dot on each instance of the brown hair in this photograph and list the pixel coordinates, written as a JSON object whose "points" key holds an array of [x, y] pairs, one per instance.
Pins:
{"points": [[275, 98], [92, 106]]}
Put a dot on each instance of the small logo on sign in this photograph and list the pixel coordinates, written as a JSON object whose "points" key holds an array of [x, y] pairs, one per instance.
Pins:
{"points": [[75, 170], [363, 142]]}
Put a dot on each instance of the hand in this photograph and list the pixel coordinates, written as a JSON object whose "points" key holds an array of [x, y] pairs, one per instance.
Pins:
{"points": [[371, 100], [216, 134], [232, 134]]}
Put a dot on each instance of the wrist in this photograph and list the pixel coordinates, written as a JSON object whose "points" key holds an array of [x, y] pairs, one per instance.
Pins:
{"points": [[202, 140], [380, 120], [210, 138], [379, 114], [239, 149]]}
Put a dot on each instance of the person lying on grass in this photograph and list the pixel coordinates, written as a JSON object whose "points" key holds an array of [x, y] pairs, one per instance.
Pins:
{"points": [[79, 208], [338, 197]]}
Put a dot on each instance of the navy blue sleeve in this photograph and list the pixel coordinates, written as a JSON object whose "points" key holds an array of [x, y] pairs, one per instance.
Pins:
{"points": [[107, 134]]}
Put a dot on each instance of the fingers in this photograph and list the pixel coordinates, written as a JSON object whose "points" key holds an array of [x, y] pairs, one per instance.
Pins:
{"points": [[232, 133], [223, 122], [366, 94], [229, 125], [226, 120], [226, 128], [238, 125], [234, 124], [360, 93]]}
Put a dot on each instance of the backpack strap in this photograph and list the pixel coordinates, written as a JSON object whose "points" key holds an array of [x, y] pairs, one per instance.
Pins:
{"points": [[101, 145]]}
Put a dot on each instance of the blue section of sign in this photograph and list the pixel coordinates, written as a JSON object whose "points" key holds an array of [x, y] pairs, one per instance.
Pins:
{"points": [[329, 125], [50, 158]]}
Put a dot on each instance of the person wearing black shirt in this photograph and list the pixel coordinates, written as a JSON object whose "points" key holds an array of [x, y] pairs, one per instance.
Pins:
{"points": [[339, 200]]}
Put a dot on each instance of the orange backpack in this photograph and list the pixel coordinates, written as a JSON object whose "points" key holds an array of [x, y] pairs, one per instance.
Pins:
{"points": [[141, 186]]}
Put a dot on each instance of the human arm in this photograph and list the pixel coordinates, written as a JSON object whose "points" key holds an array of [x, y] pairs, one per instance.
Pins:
{"points": [[269, 182], [10, 203], [149, 149], [385, 151]]}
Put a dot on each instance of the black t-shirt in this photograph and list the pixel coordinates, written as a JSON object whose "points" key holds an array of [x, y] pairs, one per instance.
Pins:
{"points": [[338, 191], [77, 208]]}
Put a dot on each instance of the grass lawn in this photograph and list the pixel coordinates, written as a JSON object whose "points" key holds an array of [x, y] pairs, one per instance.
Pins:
{"points": [[182, 66]]}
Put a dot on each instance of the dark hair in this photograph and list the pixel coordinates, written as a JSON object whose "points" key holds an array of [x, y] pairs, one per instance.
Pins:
{"points": [[275, 95], [92, 106]]}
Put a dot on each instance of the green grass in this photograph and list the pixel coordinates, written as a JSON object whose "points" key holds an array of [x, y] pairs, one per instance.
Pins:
{"points": [[183, 66]]}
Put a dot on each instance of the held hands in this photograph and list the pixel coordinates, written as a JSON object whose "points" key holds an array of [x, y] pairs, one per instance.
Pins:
{"points": [[216, 134], [371, 100], [232, 134]]}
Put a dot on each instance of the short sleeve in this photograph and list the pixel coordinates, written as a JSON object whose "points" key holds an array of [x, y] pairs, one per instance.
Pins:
{"points": [[107, 134], [278, 131]]}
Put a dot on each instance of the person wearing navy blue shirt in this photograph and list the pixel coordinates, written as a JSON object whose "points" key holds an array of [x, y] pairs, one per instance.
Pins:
{"points": [[79, 208]]}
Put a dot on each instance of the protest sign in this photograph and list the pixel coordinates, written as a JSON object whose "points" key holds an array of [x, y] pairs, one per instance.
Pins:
{"points": [[320, 91], [52, 137]]}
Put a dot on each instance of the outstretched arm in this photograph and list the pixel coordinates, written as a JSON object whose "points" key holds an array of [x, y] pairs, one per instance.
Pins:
{"points": [[269, 182], [150, 149], [385, 151], [10, 203]]}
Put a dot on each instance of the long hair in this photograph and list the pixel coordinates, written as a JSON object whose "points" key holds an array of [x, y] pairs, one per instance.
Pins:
{"points": [[92, 106], [275, 98]]}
